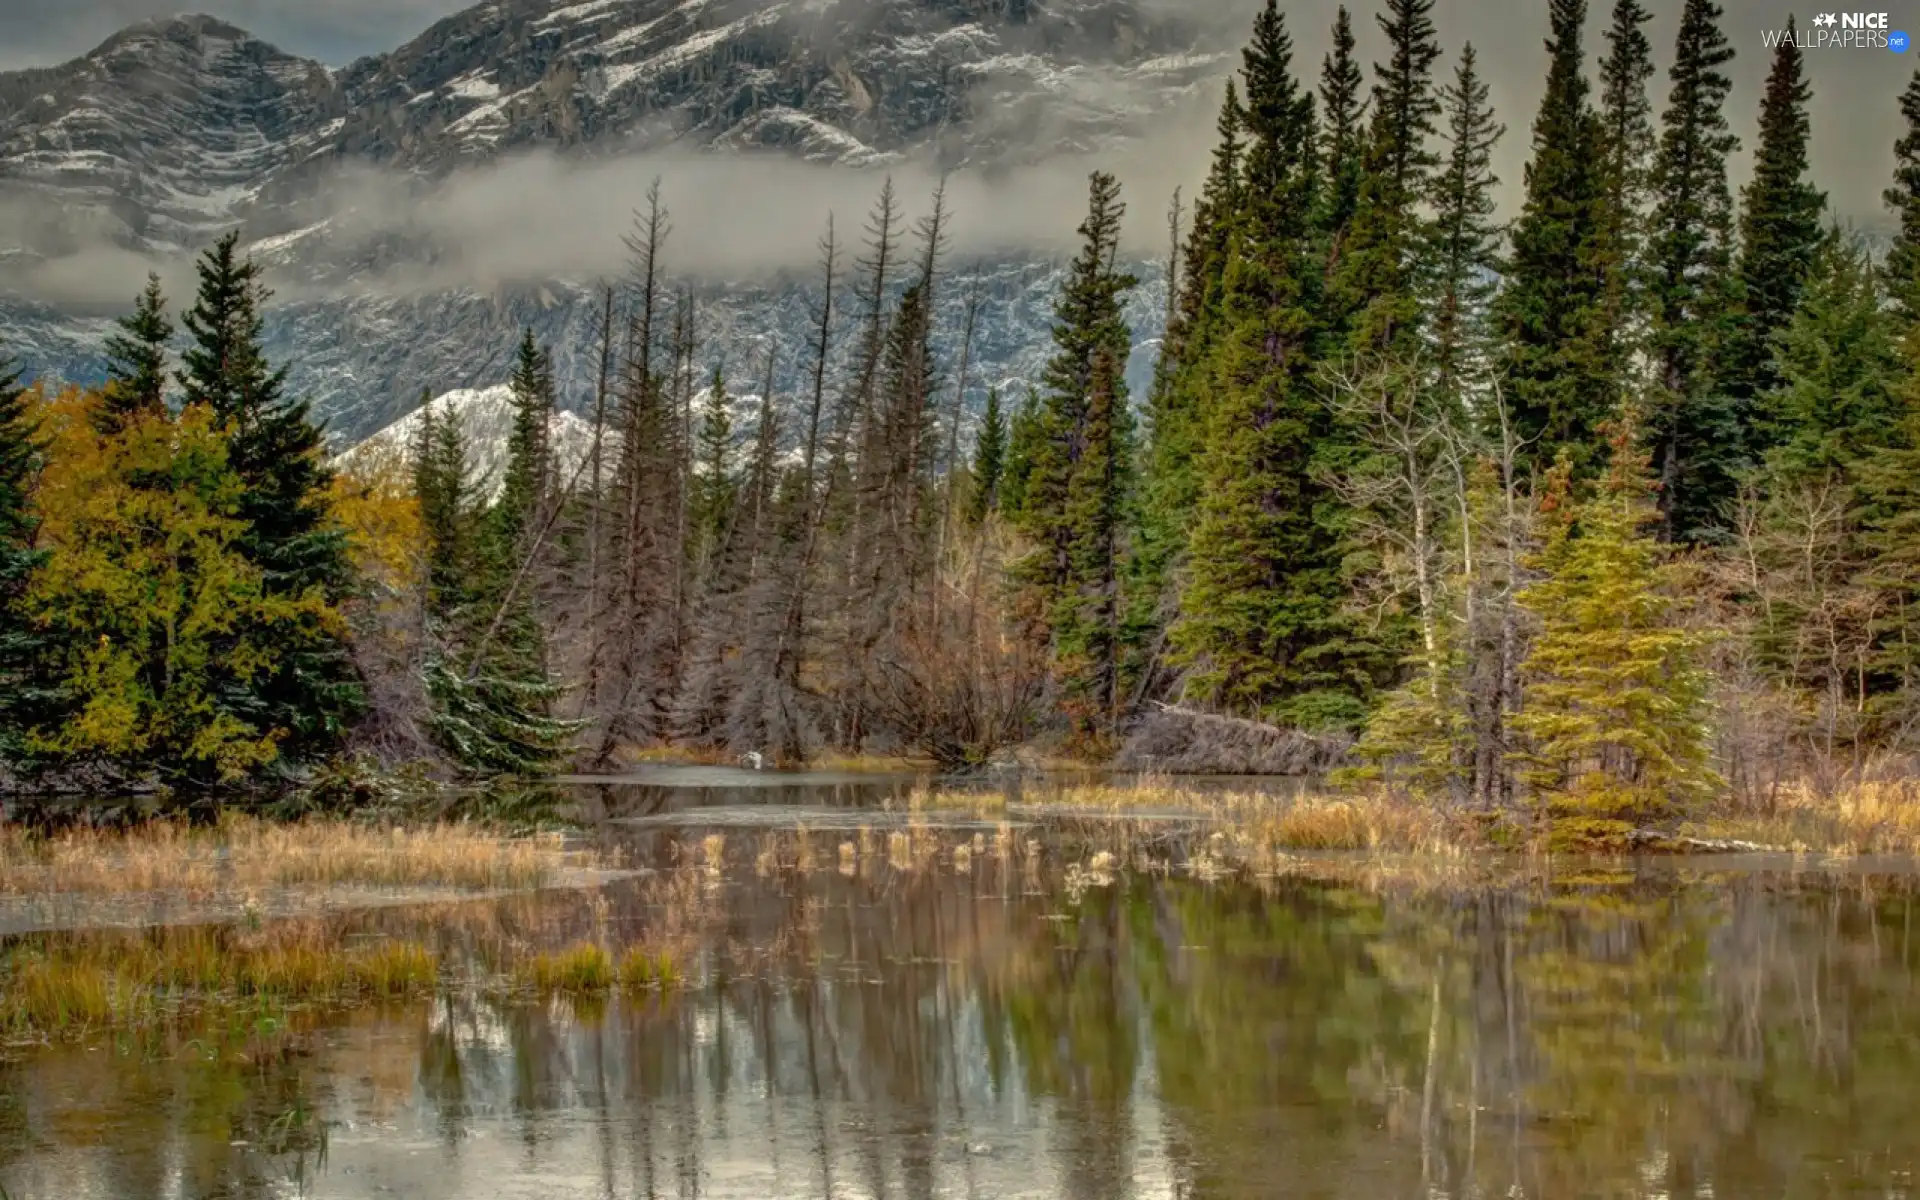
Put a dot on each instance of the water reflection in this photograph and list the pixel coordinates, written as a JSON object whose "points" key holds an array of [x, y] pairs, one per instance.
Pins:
{"points": [[910, 1034]]}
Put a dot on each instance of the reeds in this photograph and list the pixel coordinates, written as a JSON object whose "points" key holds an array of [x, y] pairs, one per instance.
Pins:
{"points": [[242, 853], [585, 969], [67, 984], [1869, 817]]}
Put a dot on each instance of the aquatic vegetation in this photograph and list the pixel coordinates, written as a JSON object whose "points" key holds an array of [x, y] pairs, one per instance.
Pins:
{"points": [[641, 969], [580, 968], [242, 852], [68, 984]]}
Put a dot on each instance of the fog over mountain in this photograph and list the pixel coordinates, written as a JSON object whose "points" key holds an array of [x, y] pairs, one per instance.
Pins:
{"points": [[419, 204]]}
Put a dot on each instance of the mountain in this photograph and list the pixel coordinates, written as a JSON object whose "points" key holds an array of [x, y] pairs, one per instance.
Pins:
{"points": [[173, 131], [485, 416]]}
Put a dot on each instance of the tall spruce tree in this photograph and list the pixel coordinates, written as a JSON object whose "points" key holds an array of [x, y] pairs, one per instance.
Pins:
{"points": [[136, 363], [989, 461], [1465, 250], [1343, 141], [1374, 303], [1626, 148], [1177, 407], [1261, 628], [1838, 401], [280, 457], [1549, 313], [1693, 427], [24, 699], [526, 485], [486, 673], [1076, 485], [1779, 236], [1902, 264]]}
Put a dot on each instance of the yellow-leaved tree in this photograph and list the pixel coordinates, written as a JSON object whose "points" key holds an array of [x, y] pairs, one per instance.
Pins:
{"points": [[1615, 722], [158, 624]]}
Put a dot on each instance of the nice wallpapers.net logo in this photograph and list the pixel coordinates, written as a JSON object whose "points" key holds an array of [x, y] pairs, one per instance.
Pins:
{"points": [[1841, 31]]}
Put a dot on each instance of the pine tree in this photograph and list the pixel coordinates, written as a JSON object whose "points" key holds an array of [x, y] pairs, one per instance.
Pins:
{"points": [[1902, 264], [1626, 146], [1177, 407], [1023, 440], [280, 457], [136, 363], [1779, 237], [989, 461], [1465, 250], [1374, 304], [1616, 714], [1261, 628], [1838, 401], [711, 499], [1694, 429], [1077, 483], [1087, 320], [1550, 310], [1343, 142], [24, 699], [486, 674], [527, 482]]}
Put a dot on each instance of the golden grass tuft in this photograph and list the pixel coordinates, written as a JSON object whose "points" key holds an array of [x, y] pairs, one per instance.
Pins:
{"points": [[66, 984], [243, 852], [641, 970], [583, 967]]}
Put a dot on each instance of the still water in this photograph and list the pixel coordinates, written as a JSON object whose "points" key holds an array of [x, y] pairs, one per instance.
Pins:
{"points": [[995, 1026]]}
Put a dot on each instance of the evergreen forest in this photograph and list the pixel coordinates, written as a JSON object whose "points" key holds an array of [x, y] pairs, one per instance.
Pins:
{"points": [[1606, 507]]}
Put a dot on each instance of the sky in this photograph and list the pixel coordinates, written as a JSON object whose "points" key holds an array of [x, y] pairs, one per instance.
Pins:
{"points": [[42, 32]]}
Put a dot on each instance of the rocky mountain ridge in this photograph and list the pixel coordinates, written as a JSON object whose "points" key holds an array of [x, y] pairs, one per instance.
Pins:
{"points": [[174, 131]]}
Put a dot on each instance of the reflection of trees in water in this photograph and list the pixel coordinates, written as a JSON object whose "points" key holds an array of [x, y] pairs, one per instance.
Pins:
{"points": [[897, 1034]]}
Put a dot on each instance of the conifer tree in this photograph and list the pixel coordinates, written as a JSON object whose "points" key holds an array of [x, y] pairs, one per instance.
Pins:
{"points": [[711, 496], [1177, 407], [1626, 148], [1615, 717], [486, 672], [1343, 142], [280, 457], [1694, 430], [136, 363], [1023, 438], [1549, 313], [1838, 401], [1902, 264], [1076, 485], [1260, 628], [527, 481], [23, 698], [1779, 237], [989, 461], [1465, 251], [1375, 288]]}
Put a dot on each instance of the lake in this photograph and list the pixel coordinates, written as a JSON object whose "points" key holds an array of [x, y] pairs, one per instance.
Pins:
{"points": [[939, 1006]]}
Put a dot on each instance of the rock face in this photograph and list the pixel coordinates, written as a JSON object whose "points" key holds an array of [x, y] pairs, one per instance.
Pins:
{"points": [[175, 131]]}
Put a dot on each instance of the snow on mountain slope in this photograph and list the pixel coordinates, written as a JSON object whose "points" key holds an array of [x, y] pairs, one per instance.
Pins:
{"points": [[176, 130], [485, 416]]}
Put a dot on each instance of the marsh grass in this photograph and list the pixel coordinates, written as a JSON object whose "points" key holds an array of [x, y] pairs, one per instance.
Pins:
{"points": [[588, 969], [241, 853], [68, 984], [1868, 817]]}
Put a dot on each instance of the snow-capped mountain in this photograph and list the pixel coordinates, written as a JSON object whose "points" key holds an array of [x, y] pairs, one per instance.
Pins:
{"points": [[174, 131], [485, 416]]}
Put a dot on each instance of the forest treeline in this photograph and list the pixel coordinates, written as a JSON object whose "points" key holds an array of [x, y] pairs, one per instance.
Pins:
{"points": [[1610, 507]]}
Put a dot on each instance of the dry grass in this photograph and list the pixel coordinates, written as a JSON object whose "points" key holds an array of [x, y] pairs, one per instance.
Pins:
{"points": [[1871, 817], [242, 853], [69, 984]]}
